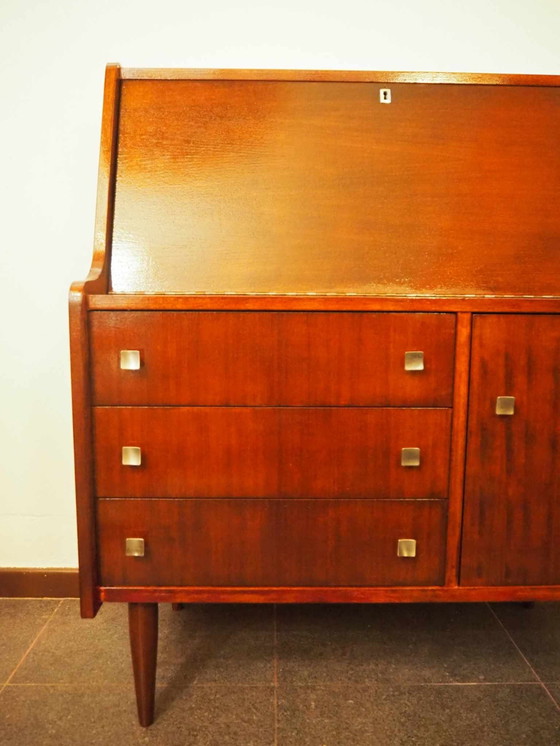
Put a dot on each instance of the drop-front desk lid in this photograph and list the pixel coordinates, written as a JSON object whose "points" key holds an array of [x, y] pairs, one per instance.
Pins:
{"points": [[366, 183]]}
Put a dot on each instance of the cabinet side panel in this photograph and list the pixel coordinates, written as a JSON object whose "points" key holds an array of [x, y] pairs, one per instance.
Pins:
{"points": [[97, 281], [83, 455]]}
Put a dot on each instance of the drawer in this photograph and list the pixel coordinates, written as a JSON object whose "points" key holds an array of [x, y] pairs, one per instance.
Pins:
{"points": [[271, 452], [272, 358], [271, 542]]}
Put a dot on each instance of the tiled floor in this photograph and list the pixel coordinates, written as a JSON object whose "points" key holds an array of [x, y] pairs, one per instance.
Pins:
{"points": [[381, 675]]}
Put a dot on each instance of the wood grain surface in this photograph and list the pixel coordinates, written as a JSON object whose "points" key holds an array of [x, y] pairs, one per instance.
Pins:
{"points": [[458, 447], [329, 594], [511, 529], [143, 632], [272, 542], [275, 358], [332, 302], [271, 452], [97, 281], [340, 76], [258, 186]]}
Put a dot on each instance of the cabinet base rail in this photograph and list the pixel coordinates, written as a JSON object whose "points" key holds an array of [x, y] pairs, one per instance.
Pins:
{"points": [[279, 595]]}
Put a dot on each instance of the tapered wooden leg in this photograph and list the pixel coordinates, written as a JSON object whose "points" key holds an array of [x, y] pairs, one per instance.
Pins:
{"points": [[143, 627], [177, 607]]}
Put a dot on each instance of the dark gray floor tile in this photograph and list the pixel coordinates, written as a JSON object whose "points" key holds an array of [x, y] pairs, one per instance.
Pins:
{"points": [[554, 690], [202, 716], [225, 644], [20, 622], [395, 643], [217, 644], [446, 715], [537, 633], [80, 651]]}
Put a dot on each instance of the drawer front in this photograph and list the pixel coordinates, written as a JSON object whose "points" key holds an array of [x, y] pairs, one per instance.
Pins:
{"points": [[272, 358], [271, 452], [271, 542]]}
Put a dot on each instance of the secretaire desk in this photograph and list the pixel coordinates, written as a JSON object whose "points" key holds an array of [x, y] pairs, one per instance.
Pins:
{"points": [[317, 356]]}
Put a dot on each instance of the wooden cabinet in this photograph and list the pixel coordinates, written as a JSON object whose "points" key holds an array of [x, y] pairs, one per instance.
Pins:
{"points": [[317, 355]]}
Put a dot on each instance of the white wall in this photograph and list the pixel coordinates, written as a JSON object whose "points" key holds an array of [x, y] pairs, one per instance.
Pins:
{"points": [[52, 55]]}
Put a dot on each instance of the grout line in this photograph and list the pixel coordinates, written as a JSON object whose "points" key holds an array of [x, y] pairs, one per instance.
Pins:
{"points": [[502, 625], [477, 683], [275, 674], [396, 684], [30, 648], [105, 685], [515, 645], [322, 685], [547, 690]]}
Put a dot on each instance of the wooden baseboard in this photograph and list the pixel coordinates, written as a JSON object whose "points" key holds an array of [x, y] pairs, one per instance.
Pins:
{"points": [[38, 582]]}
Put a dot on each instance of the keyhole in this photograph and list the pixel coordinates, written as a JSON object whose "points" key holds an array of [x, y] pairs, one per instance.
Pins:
{"points": [[385, 95]]}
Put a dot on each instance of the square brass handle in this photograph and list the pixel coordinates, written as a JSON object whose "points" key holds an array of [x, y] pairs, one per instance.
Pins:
{"points": [[134, 547], [414, 360], [131, 456], [130, 360], [410, 457], [505, 405], [406, 548]]}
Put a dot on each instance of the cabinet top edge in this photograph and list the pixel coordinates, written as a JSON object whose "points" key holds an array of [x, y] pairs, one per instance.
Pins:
{"points": [[176, 302], [339, 76]]}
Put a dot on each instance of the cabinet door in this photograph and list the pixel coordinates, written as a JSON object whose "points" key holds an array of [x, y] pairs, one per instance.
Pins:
{"points": [[511, 529]]}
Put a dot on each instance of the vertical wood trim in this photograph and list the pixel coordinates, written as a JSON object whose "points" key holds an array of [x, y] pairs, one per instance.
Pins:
{"points": [[458, 446], [97, 281], [83, 455], [106, 178]]}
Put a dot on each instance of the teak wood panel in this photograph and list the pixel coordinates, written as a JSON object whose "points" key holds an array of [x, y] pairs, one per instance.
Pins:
{"points": [[97, 281], [271, 452], [328, 594], [271, 542], [266, 358], [333, 302], [336, 76], [511, 531], [263, 186]]}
